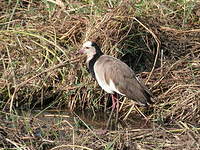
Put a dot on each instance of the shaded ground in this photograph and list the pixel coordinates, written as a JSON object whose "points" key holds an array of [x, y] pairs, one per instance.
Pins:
{"points": [[57, 129], [39, 70]]}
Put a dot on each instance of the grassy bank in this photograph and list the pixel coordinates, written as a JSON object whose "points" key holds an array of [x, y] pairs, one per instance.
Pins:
{"points": [[39, 68]]}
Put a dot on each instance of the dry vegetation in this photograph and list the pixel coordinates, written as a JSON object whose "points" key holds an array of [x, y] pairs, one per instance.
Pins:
{"points": [[39, 68]]}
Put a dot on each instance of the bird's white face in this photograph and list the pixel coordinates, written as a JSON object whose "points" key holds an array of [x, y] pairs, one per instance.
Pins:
{"points": [[88, 49]]}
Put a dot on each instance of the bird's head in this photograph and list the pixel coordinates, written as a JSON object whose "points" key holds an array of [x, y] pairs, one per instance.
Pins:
{"points": [[90, 49]]}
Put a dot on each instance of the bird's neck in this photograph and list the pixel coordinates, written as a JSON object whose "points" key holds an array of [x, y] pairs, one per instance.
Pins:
{"points": [[91, 61]]}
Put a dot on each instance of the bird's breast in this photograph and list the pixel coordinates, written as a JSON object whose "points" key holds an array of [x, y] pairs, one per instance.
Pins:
{"points": [[102, 83], [106, 83]]}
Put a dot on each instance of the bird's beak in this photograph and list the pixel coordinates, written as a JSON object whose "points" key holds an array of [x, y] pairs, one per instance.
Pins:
{"points": [[81, 51]]}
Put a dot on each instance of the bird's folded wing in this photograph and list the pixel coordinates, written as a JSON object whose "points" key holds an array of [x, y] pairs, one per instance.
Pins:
{"points": [[125, 80]]}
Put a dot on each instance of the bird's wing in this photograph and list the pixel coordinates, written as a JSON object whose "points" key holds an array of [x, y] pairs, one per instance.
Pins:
{"points": [[124, 79]]}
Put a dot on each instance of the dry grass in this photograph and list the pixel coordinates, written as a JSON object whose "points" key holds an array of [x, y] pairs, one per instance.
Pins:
{"points": [[39, 68]]}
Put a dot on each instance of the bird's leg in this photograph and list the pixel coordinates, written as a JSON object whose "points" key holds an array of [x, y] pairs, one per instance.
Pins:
{"points": [[117, 106], [113, 102], [113, 107]]}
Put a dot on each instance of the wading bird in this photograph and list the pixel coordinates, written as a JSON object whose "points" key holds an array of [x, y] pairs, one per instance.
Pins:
{"points": [[114, 76]]}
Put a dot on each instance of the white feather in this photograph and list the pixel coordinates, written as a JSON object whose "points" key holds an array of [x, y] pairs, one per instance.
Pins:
{"points": [[112, 86], [109, 88], [103, 84], [87, 44]]}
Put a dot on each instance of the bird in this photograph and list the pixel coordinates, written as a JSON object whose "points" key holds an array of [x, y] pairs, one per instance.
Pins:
{"points": [[115, 76]]}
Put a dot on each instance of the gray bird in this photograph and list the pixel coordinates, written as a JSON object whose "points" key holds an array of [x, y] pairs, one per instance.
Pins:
{"points": [[114, 76]]}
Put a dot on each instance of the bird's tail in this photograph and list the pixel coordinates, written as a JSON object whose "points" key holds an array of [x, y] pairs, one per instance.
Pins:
{"points": [[147, 101]]}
